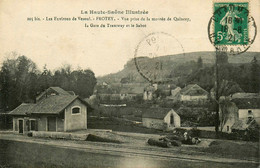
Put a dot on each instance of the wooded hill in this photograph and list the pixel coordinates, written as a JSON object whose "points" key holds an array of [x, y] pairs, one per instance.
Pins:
{"points": [[188, 68]]}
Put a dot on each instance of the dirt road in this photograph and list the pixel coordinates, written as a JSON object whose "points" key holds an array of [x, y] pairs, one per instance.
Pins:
{"points": [[22, 151]]}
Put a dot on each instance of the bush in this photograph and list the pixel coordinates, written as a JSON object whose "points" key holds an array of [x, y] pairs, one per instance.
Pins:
{"points": [[195, 132], [234, 149], [155, 142], [95, 138], [176, 143], [175, 137]]}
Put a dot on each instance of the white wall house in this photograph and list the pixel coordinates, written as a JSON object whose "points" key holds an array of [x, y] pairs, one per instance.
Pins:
{"points": [[161, 118], [193, 93], [227, 120]]}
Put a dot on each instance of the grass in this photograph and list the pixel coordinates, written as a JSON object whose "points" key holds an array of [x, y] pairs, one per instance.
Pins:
{"points": [[233, 149], [121, 126]]}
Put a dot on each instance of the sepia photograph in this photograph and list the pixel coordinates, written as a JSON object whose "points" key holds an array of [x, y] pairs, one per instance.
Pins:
{"points": [[129, 84]]}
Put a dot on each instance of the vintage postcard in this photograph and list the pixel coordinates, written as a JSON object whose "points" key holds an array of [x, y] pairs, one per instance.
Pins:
{"points": [[129, 83]]}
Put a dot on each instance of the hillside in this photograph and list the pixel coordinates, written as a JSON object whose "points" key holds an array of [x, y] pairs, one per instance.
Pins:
{"points": [[172, 64]]}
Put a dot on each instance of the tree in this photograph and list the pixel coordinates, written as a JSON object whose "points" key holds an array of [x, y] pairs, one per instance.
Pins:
{"points": [[5, 82], [44, 80], [255, 76], [26, 70], [21, 81], [200, 63], [227, 88], [82, 82], [221, 58], [124, 80], [224, 104], [18, 76]]}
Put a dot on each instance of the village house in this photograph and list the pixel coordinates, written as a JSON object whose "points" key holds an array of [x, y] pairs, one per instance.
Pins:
{"points": [[157, 90], [175, 94], [248, 108], [131, 91], [228, 117], [148, 92], [194, 93], [118, 91], [55, 110], [160, 118], [241, 112], [106, 92]]}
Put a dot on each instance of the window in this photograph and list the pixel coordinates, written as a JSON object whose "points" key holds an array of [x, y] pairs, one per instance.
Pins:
{"points": [[227, 128], [249, 112], [75, 110], [250, 116], [33, 125]]}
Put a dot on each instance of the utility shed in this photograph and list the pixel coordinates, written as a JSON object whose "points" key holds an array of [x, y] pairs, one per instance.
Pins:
{"points": [[160, 118]]}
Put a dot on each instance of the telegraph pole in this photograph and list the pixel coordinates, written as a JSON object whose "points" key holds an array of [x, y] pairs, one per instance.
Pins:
{"points": [[217, 92]]}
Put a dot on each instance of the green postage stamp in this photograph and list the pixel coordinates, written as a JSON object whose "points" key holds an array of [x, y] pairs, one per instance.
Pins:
{"points": [[232, 29], [231, 23]]}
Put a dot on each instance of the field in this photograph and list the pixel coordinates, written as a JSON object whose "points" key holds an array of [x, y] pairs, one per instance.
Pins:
{"points": [[118, 125]]}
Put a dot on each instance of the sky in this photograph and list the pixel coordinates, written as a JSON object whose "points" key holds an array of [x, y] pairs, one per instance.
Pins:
{"points": [[103, 50]]}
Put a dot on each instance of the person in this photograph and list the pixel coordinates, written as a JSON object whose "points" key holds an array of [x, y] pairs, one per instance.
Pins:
{"points": [[185, 136]]}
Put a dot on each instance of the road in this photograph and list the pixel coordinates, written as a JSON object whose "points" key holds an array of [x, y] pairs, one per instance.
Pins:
{"points": [[21, 151]]}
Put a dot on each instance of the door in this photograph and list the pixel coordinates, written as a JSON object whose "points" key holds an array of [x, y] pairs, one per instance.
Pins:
{"points": [[20, 126], [172, 119], [33, 126], [51, 123]]}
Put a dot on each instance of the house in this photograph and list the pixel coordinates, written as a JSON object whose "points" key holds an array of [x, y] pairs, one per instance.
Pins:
{"points": [[55, 110], [131, 91], [243, 125], [119, 92], [241, 112], [248, 105], [157, 90], [193, 92], [160, 118], [148, 92], [175, 94], [246, 120], [107, 92], [228, 117]]}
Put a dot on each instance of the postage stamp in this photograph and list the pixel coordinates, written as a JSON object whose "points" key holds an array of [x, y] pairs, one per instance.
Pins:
{"points": [[152, 53], [231, 23], [231, 28]]}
